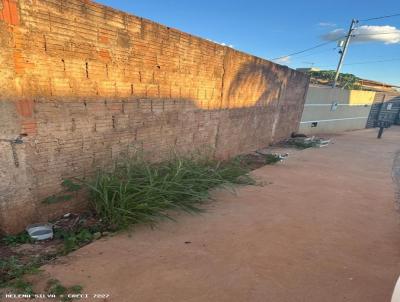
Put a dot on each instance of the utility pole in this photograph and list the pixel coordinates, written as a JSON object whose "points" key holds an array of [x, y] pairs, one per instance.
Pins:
{"points": [[343, 52]]}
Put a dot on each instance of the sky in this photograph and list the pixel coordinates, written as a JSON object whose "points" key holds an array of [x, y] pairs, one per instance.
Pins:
{"points": [[272, 29]]}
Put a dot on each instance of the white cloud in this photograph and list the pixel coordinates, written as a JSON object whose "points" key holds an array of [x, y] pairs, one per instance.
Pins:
{"points": [[223, 44], [283, 60], [366, 33], [327, 24], [334, 34]]}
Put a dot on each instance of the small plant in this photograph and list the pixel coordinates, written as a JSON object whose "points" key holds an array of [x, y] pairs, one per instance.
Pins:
{"points": [[76, 289], [21, 286], [12, 271], [138, 191], [71, 186], [12, 268], [54, 287], [55, 199], [14, 240], [73, 239]]}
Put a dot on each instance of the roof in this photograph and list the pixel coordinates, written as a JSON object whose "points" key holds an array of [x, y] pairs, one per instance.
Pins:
{"points": [[376, 83]]}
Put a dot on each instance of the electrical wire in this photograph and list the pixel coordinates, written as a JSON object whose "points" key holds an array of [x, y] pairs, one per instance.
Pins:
{"points": [[308, 49], [369, 62], [328, 42], [382, 17], [364, 62], [387, 33], [318, 52]]}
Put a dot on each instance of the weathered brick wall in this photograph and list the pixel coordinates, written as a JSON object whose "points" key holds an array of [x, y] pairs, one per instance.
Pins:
{"points": [[88, 84]]}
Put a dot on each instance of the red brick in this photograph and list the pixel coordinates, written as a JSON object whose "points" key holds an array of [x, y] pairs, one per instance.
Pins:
{"points": [[103, 39], [9, 13], [29, 127], [25, 107], [104, 55]]}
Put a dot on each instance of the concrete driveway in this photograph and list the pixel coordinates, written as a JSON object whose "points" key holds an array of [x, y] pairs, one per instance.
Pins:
{"points": [[323, 228]]}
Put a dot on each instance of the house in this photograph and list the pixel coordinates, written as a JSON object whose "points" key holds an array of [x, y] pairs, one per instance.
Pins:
{"points": [[377, 86]]}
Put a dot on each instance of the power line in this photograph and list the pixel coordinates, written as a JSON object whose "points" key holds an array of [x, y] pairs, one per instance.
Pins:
{"points": [[382, 17], [328, 42], [364, 62], [387, 33], [307, 49], [318, 52], [369, 62], [340, 38]]}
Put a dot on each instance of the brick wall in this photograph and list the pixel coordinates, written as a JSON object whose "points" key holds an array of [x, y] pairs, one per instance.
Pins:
{"points": [[87, 84]]}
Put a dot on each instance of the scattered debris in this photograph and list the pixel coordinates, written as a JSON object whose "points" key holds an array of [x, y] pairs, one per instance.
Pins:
{"points": [[262, 157], [283, 156], [307, 142], [40, 231], [23, 253], [321, 142], [273, 158], [67, 222], [96, 235]]}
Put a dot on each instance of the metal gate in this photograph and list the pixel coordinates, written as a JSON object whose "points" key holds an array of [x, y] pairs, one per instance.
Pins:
{"points": [[387, 109]]}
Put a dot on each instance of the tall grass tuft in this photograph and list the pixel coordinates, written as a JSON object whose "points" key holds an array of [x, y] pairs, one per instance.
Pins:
{"points": [[139, 191]]}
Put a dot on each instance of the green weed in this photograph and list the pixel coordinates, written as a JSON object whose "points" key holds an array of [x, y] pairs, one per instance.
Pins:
{"points": [[73, 239], [21, 286], [138, 191], [12, 268], [12, 271], [54, 287], [70, 186], [14, 240], [55, 199]]}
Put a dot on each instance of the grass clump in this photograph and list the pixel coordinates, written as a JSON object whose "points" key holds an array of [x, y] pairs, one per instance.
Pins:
{"points": [[20, 286], [54, 287], [139, 191], [12, 271], [73, 239], [14, 268], [14, 240]]}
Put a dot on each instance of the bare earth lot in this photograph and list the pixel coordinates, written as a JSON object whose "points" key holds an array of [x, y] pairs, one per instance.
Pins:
{"points": [[324, 229]]}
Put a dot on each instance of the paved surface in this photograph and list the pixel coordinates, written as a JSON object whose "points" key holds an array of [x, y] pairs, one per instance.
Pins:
{"points": [[324, 229]]}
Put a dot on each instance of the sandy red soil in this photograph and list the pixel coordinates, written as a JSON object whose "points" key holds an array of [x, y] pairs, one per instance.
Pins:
{"points": [[323, 228]]}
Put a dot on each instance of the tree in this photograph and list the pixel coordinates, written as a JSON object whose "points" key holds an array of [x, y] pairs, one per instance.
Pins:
{"points": [[345, 80]]}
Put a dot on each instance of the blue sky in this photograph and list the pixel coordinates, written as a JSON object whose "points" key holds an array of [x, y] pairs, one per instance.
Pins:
{"points": [[271, 29]]}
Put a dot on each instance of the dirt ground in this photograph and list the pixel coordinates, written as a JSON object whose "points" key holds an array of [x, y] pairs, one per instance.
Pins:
{"points": [[323, 228]]}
